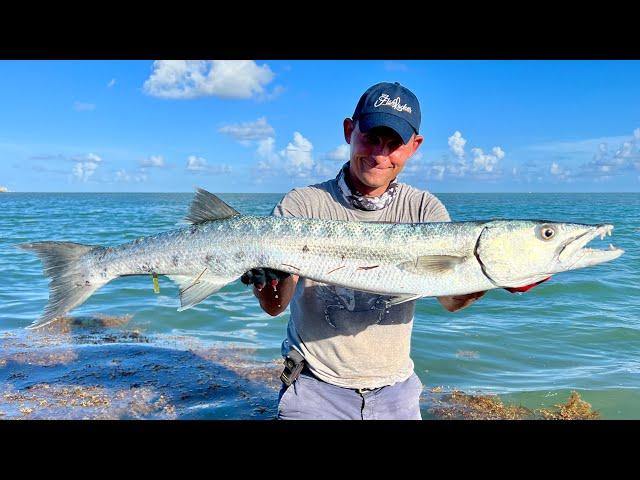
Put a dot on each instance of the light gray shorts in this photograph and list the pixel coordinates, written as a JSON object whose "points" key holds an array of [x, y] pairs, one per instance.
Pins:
{"points": [[309, 398]]}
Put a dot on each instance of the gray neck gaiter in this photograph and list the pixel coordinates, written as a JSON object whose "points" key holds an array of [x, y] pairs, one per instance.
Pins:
{"points": [[357, 199]]}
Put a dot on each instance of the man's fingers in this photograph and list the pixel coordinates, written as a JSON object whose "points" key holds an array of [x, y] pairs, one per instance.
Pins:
{"points": [[281, 275], [259, 278], [246, 278], [271, 277]]}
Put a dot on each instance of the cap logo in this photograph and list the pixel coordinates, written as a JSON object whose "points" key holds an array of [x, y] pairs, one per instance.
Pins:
{"points": [[384, 100]]}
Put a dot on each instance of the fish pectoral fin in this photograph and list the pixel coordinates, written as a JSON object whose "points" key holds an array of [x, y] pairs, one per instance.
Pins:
{"points": [[398, 299], [206, 207], [432, 264], [194, 290]]}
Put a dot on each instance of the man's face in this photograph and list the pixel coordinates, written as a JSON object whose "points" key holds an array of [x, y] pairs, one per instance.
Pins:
{"points": [[377, 156]]}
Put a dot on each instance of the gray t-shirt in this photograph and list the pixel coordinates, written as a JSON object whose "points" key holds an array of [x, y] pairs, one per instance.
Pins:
{"points": [[348, 337]]}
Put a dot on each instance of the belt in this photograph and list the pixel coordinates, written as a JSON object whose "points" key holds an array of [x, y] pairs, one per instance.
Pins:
{"points": [[295, 364]]}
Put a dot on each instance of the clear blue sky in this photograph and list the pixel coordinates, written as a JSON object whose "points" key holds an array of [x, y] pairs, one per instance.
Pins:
{"points": [[269, 126]]}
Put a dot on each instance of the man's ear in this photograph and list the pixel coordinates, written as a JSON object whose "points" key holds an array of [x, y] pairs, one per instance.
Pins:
{"points": [[349, 126], [416, 142]]}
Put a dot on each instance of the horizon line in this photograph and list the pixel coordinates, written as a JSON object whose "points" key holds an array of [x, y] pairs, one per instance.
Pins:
{"points": [[283, 193]]}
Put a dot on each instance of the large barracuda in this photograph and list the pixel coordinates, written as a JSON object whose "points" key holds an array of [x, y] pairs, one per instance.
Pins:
{"points": [[404, 261]]}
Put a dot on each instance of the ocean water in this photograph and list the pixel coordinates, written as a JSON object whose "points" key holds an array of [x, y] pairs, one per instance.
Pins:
{"points": [[579, 331]]}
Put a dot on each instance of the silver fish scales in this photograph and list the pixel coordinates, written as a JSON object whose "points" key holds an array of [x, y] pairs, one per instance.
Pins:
{"points": [[404, 261]]}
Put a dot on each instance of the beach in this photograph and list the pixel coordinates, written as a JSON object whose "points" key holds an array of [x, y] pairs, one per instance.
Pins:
{"points": [[128, 354]]}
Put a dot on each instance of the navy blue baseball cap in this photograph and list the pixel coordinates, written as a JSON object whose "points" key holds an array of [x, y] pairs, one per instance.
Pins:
{"points": [[389, 105]]}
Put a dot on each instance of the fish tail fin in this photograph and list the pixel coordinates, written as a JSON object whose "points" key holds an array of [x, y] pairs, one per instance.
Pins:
{"points": [[70, 283]]}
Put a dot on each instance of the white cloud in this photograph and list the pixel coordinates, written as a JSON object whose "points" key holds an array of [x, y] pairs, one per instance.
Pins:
{"points": [[297, 156], [296, 160], [111, 83], [123, 176], [481, 166], [84, 107], [183, 79], [153, 161], [486, 162], [456, 144], [248, 131], [200, 165], [498, 152], [196, 164], [85, 166], [604, 164], [340, 153], [266, 150], [438, 171]]}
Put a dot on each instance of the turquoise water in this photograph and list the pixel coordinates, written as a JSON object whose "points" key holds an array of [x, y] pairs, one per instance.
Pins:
{"points": [[579, 331]]}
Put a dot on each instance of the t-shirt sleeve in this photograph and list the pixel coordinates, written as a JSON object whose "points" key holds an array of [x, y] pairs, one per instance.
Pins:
{"points": [[433, 209], [291, 205]]}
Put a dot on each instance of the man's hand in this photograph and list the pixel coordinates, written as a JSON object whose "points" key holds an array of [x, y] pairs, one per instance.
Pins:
{"points": [[261, 277], [458, 302], [272, 300]]}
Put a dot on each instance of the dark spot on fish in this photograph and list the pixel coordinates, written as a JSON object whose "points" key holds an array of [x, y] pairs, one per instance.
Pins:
{"points": [[305, 249], [239, 256], [368, 268], [193, 229], [174, 260], [87, 283], [286, 265], [335, 269], [342, 257], [208, 258]]}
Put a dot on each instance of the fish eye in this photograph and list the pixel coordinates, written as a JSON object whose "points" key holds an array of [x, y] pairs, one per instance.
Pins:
{"points": [[547, 232]]}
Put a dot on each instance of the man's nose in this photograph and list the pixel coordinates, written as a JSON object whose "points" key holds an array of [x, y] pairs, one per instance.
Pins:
{"points": [[382, 149]]}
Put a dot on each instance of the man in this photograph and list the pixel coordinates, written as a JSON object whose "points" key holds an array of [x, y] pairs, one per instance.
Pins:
{"points": [[353, 349]]}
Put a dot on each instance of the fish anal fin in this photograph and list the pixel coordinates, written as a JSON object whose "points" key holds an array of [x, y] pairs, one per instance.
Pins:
{"points": [[206, 207], [194, 289], [432, 264]]}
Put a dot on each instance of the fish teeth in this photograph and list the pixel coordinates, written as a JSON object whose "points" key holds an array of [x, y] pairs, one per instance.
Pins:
{"points": [[611, 247]]}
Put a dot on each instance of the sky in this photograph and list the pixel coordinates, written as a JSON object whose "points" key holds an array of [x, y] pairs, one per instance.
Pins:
{"points": [[272, 125]]}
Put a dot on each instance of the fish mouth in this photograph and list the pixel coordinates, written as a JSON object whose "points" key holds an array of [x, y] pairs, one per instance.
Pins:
{"points": [[574, 253]]}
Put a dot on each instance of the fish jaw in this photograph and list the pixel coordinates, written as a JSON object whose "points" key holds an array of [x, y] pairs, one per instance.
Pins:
{"points": [[576, 255]]}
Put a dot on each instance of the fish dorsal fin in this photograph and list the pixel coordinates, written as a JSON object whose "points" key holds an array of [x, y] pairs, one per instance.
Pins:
{"points": [[432, 264], [194, 290], [206, 207]]}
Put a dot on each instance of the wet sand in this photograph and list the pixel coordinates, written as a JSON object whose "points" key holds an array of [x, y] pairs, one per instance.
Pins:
{"points": [[96, 368], [99, 368]]}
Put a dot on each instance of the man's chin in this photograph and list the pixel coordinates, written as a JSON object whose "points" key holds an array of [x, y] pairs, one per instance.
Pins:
{"points": [[374, 180], [374, 183]]}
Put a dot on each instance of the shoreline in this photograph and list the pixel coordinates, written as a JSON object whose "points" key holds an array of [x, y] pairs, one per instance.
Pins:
{"points": [[98, 368]]}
